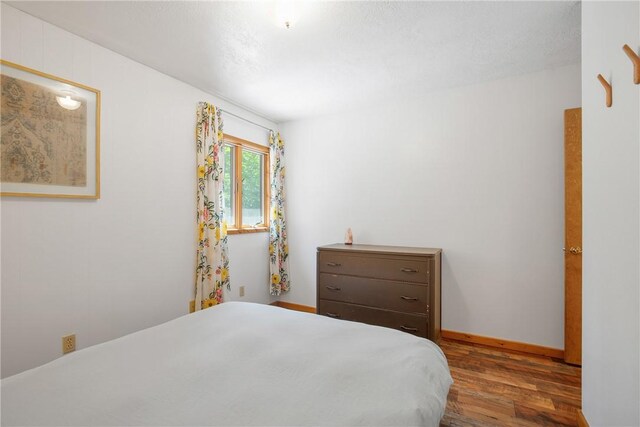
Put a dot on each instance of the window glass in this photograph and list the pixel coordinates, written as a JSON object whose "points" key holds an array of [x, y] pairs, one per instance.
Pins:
{"points": [[252, 188], [228, 194]]}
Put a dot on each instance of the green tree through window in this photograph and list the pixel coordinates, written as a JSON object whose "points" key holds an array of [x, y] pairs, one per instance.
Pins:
{"points": [[228, 191], [252, 188]]}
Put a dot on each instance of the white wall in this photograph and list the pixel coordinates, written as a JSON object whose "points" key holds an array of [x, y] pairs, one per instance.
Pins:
{"points": [[611, 211], [477, 171], [101, 269]]}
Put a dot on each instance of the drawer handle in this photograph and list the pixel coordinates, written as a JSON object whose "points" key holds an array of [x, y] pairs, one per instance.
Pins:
{"points": [[408, 270], [332, 288], [408, 329], [333, 264], [334, 315], [409, 298]]}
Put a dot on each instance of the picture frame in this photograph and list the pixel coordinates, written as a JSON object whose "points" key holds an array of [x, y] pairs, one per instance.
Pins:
{"points": [[50, 135]]}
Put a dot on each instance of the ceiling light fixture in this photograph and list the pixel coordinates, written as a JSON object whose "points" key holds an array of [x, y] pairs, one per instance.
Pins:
{"points": [[65, 101], [285, 13]]}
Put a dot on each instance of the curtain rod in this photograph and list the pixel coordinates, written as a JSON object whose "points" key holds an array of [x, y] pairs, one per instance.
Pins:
{"points": [[246, 120]]}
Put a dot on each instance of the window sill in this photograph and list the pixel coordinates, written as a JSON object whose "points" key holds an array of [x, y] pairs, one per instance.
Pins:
{"points": [[248, 230]]}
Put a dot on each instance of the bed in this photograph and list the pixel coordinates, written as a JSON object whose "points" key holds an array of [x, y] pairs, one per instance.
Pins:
{"points": [[239, 364]]}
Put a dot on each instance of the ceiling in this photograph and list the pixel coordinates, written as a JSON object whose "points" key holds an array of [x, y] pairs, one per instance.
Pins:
{"points": [[338, 55]]}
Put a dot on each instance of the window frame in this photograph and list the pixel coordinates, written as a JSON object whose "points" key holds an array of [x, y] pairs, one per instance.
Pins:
{"points": [[237, 145]]}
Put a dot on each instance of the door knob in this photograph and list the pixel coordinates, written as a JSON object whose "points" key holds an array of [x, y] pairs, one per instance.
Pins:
{"points": [[575, 250]]}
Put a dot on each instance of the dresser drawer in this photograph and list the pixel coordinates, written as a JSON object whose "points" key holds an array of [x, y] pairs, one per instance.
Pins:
{"points": [[405, 269], [414, 324], [404, 297]]}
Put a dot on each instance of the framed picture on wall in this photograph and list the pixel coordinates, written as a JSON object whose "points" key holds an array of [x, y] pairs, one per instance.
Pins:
{"points": [[50, 130]]}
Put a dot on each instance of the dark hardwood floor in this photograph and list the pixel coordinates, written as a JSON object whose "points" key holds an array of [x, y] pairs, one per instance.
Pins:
{"points": [[493, 387]]}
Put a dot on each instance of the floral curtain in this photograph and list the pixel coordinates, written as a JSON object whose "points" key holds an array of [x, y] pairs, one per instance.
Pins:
{"points": [[278, 245], [212, 270]]}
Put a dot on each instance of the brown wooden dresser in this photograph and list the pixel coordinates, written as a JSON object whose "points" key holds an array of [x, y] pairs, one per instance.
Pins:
{"points": [[392, 286]]}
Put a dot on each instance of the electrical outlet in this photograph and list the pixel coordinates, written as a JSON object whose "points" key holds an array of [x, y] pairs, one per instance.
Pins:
{"points": [[68, 343], [192, 306], [241, 291]]}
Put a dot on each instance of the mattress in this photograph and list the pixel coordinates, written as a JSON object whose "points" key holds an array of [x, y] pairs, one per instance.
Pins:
{"points": [[239, 364]]}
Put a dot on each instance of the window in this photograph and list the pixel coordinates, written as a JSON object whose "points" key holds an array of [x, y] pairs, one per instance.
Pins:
{"points": [[246, 186]]}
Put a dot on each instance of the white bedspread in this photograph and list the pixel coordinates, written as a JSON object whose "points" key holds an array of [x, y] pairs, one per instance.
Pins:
{"points": [[239, 364]]}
